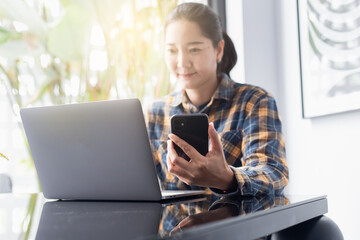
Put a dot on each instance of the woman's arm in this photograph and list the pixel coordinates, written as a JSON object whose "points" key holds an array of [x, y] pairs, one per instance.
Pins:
{"points": [[261, 148], [264, 169]]}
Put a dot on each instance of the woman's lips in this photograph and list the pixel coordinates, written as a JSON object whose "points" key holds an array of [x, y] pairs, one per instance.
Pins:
{"points": [[186, 75]]}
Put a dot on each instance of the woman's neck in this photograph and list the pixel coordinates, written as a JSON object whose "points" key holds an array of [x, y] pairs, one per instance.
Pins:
{"points": [[203, 94]]}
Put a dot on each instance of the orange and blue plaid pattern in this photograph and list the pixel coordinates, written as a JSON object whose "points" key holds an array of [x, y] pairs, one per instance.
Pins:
{"points": [[247, 120]]}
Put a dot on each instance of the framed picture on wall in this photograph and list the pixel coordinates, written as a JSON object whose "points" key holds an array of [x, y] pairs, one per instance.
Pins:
{"points": [[329, 37]]}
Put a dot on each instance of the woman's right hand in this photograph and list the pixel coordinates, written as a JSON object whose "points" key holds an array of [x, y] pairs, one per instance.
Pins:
{"points": [[211, 170]]}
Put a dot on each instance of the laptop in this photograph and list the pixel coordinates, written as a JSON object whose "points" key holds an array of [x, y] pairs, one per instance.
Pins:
{"points": [[94, 151]]}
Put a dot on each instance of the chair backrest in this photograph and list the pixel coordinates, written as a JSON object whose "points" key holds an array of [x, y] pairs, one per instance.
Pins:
{"points": [[5, 183]]}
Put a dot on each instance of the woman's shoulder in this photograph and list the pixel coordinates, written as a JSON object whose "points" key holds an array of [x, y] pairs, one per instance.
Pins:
{"points": [[253, 90], [247, 97], [248, 92]]}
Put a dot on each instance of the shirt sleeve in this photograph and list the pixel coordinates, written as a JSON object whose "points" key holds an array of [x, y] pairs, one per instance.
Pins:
{"points": [[157, 127], [264, 169], [153, 121]]}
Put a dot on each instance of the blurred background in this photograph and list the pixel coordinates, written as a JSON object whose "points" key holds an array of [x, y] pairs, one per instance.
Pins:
{"points": [[66, 51], [70, 51]]}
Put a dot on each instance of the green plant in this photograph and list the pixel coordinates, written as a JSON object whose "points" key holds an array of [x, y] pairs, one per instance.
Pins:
{"points": [[82, 51], [95, 51]]}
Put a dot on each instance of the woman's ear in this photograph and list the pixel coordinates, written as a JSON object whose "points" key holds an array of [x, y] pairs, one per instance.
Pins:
{"points": [[220, 51]]}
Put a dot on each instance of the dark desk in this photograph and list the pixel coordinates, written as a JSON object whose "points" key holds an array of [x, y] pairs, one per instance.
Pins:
{"points": [[33, 217]]}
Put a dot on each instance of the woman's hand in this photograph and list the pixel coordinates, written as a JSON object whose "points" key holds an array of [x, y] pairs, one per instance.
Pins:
{"points": [[211, 170], [204, 217]]}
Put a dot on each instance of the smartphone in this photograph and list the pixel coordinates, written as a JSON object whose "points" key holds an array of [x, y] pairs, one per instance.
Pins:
{"points": [[193, 129]]}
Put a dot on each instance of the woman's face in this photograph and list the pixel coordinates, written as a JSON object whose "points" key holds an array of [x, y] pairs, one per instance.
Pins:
{"points": [[190, 56]]}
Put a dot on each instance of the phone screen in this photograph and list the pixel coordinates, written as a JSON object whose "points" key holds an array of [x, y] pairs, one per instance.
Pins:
{"points": [[192, 128]]}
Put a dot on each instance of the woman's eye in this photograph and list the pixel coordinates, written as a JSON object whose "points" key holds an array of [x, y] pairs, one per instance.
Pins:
{"points": [[194, 50], [171, 51]]}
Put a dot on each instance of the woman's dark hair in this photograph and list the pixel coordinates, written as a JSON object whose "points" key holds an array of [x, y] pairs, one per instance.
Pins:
{"points": [[210, 27]]}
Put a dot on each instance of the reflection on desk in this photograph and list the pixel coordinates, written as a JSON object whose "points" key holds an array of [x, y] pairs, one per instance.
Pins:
{"points": [[178, 218], [98, 220], [130, 220]]}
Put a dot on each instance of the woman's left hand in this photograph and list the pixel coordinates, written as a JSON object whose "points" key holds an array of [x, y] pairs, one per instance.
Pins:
{"points": [[203, 217], [211, 170]]}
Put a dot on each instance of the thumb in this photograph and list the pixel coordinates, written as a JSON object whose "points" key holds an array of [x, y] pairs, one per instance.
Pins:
{"points": [[214, 139]]}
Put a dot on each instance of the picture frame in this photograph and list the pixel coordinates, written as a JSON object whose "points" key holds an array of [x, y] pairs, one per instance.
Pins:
{"points": [[329, 46]]}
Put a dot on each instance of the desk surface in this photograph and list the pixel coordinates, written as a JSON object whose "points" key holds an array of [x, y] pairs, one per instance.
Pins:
{"points": [[33, 217]]}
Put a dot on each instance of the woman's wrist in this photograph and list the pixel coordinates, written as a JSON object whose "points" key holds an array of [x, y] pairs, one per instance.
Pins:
{"points": [[229, 182]]}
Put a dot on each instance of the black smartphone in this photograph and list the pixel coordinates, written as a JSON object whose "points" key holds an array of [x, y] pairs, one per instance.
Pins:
{"points": [[192, 128]]}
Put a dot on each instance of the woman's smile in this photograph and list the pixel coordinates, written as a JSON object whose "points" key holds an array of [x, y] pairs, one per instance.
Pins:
{"points": [[186, 75]]}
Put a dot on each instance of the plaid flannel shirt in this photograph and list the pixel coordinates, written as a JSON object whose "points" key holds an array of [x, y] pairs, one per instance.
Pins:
{"points": [[247, 120]]}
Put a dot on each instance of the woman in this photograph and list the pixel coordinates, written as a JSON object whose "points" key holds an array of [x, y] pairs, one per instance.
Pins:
{"points": [[247, 151]]}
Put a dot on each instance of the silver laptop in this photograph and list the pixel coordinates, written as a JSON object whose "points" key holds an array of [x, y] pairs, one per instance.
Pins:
{"points": [[94, 151]]}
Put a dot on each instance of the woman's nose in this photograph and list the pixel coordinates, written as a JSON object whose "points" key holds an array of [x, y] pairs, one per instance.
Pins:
{"points": [[183, 60]]}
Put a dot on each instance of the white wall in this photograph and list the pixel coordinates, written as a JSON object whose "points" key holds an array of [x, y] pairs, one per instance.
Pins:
{"points": [[322, 153], [235, 29]]}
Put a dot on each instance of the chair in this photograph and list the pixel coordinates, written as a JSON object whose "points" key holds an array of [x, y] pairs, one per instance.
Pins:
{"points": [[317, 228]]}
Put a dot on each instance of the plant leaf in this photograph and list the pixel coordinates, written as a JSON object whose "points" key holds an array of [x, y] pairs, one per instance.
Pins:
{"points": [[20, 11], [14, 49], [70, 38], [4, 35]]}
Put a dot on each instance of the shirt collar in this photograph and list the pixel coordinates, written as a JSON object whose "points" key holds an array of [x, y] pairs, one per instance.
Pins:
{"points": [[224, 91], [179, 98]]}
